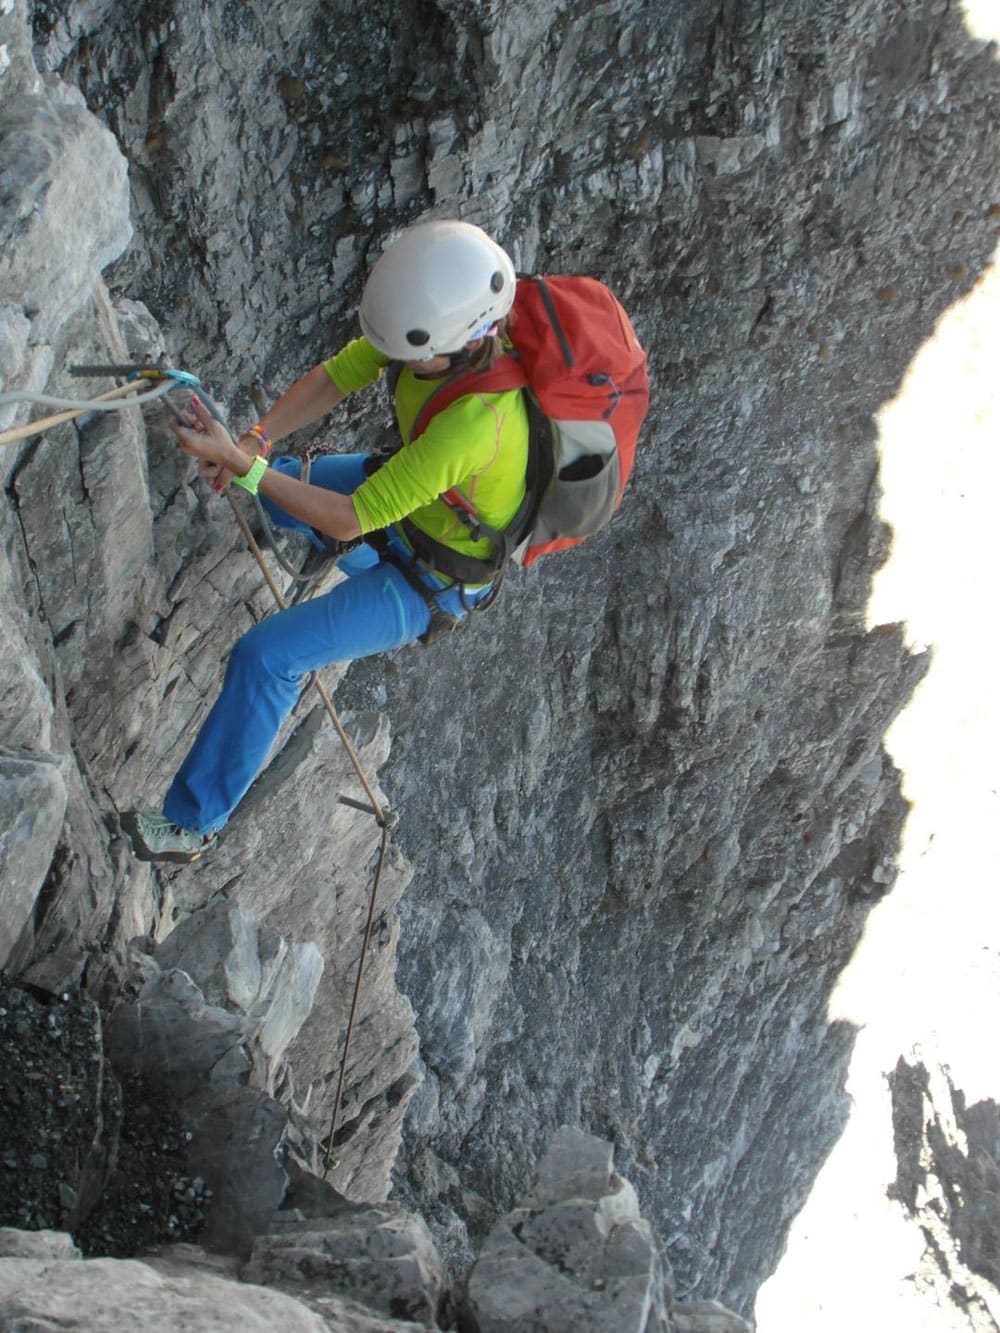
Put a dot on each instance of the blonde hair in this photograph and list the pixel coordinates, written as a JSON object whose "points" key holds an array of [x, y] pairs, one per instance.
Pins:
{"points": [[491, 349]]}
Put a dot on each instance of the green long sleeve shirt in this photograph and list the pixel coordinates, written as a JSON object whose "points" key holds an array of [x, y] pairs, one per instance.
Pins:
{"points": [[478, 444]]}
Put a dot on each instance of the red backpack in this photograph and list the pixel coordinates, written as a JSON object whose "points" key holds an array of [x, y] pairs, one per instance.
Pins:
{"points": [[576, 354]]}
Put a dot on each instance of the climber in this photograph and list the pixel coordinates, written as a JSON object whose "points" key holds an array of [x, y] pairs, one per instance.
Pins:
{"points": [[435, 301]]}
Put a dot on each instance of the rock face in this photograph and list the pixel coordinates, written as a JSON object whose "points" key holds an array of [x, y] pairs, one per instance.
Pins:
{"points": [[379, 1257], [271, 980], [574, 1255], [44, 1283], [646, 804], [948, 1179], [196, 1055], [61, 1110]]}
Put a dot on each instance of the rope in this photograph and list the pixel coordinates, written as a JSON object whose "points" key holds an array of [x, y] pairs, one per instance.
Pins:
{"points": [[327, 1162], [306, 580], [272, 542], [76, 406], [385, 819]]}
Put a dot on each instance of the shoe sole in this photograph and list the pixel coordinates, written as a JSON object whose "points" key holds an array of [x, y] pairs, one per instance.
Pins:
{"points": [[142, 852]]}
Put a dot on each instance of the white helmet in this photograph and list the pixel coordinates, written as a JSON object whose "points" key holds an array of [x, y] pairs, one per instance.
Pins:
{"points": [[440, 285]]}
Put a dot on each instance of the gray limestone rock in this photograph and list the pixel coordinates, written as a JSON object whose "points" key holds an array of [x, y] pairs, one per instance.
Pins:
{"points": [[257, 973], [119, 586], [84, 509], [574, 1254], [705, 1317], [172, 1034], [95, 892], [64, 183], [340, 1313], [18, 75], [236, 1146], [217, 948], [948, 1179], [302, 863], [458, 1011], [125, 1296], [195, 1055], [42, 1245], [32, 807], [29, 720], [63, 196], [140, 332], [647, 805], [381, 1257]]}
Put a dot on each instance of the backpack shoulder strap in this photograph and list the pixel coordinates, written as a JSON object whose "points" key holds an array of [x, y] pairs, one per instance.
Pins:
{"points": [[506, 374]]}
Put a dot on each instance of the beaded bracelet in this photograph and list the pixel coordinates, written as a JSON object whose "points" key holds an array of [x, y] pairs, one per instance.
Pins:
{"points": [[263, 439]]}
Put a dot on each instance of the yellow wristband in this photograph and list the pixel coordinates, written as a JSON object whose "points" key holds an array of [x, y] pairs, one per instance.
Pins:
{"points": [[251, 482]]}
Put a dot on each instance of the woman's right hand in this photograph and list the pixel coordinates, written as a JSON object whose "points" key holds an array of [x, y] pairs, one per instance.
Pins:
{"points": [[201, 436]]}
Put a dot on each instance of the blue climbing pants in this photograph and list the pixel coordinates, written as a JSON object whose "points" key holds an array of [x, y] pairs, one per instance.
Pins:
{"points": [[372, 611]]}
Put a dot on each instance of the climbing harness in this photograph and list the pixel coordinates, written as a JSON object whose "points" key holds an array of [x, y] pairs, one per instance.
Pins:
{"points": [[441, 623], [385, 819]]}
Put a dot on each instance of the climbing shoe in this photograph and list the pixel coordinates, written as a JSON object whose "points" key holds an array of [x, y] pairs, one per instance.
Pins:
{"points": [[154, 838]]}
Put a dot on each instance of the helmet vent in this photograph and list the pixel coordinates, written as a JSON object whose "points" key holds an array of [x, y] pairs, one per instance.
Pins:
{"points": [[418, 337], [497, 282]]}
